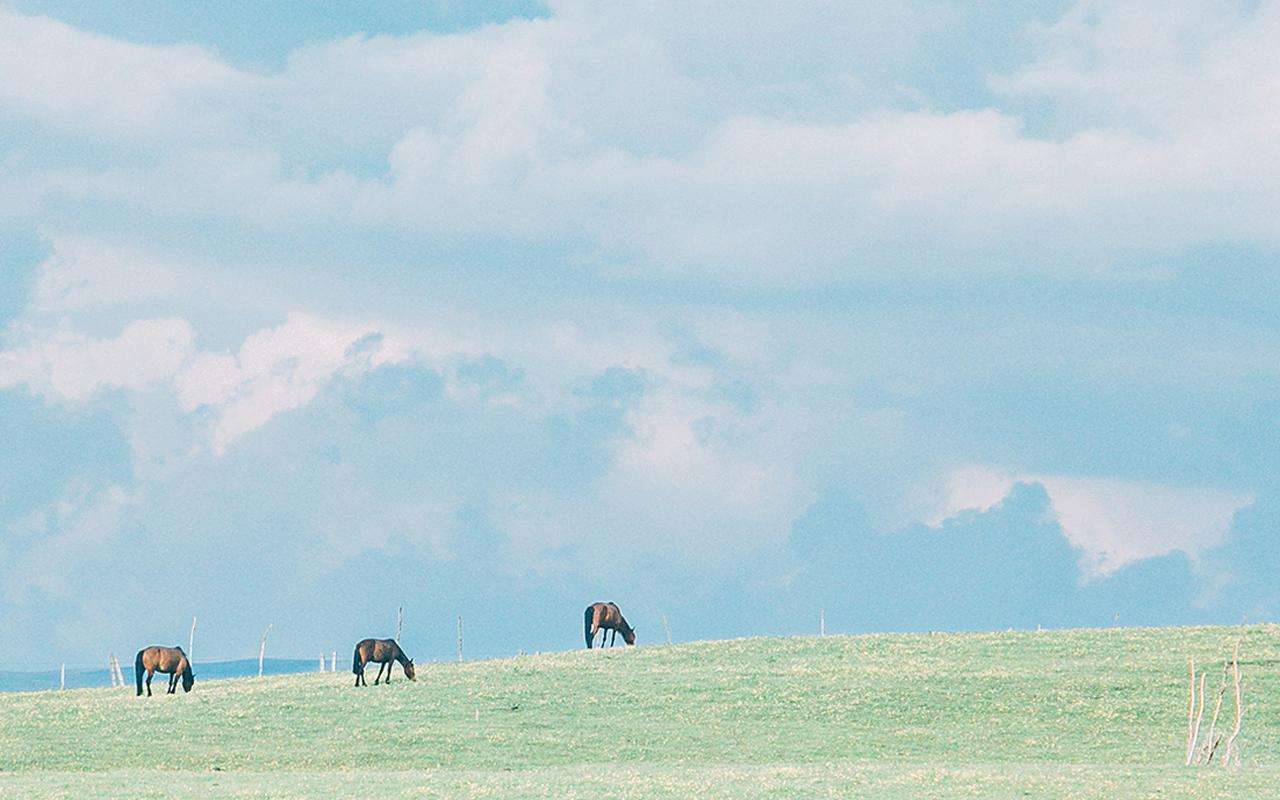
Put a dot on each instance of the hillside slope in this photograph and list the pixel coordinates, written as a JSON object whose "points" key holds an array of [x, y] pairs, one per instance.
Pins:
{"points": [[1053, 714]]}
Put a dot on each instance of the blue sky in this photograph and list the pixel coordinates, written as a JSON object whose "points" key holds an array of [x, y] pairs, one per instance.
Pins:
{"points": [[929, 315]]}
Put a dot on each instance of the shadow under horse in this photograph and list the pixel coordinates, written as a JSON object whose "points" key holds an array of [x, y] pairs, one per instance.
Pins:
{"points": [[170, 660], [606, 617], [384, 651]]}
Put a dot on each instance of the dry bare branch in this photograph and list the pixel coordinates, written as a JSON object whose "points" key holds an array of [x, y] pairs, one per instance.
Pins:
{"points": [[1191, 708], [1239, 697]]}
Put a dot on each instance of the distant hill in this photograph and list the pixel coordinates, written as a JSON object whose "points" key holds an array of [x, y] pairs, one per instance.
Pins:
{"points": [[16, 681]]}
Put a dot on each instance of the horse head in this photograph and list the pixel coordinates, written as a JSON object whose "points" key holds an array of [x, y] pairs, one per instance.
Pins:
{"points": [[188, 679], [408, 670], [629, 636]]}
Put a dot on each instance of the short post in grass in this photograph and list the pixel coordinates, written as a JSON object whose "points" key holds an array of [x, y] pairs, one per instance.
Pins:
{"points": [[666, 628], [113, 667], [262, 650], [399, 622], [191, 643], [333, 661], [822, 622], [62, 684], [459, 637]]}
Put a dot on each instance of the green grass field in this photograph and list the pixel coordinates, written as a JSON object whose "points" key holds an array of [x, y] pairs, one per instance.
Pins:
{"points": [[1078, 714]]}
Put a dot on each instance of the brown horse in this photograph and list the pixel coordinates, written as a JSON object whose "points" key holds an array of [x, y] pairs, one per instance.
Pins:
{"points": [[607, 618], [170, 660], [383, 651]]}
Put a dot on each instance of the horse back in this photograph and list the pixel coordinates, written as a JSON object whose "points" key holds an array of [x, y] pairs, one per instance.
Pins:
{"points": [[162, 659], [378, 650], [605, 615]]}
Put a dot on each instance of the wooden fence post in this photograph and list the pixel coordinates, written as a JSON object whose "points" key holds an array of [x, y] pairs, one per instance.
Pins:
{"points": [[62, 683], [399, 622], [666, 628], [262, 649], [191, 643], [459, 637], [113, 666], [333, 661], [822, 622]]}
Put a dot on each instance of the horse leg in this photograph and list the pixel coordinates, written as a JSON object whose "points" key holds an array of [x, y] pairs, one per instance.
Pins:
{"points": [[150, 671], [173, 682], [378, 679], [360, 676]]}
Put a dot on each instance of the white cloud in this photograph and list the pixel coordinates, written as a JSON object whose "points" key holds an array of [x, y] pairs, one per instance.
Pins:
{"points": [[70, 366], [275, 370], [514, 130], [1113, 520], [82, 273], [94, 83], [680, 483]]}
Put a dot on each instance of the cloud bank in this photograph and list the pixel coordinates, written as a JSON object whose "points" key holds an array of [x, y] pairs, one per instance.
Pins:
{"points": [[937, 317]]}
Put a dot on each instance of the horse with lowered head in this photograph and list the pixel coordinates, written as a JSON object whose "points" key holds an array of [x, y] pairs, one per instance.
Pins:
{"points": [[607, 618], [170, 660], [384, 651]]}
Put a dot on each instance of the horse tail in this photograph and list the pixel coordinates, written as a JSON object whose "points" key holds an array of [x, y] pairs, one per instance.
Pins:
{"points": [[587, 618], [356, 666], [137, 671]]}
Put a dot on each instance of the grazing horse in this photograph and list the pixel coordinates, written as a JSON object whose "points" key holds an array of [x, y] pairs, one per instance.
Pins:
{"points": [[383, 651], [607, 618], [170, 660]]}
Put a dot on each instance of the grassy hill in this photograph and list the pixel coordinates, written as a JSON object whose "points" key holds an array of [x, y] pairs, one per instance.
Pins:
{"points": [[1079, 714]]}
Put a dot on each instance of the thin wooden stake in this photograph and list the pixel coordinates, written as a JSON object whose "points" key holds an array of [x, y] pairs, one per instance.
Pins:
{"points": [[262, 649], [459, 637], [822, 622], [399, 622], [191, 643], [63, 680], [666, 628], [333, 661]]}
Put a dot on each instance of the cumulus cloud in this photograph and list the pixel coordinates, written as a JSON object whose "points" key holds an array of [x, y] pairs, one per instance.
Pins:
{"points": [[604, 286], [99, 85], [488, 131], [274, 370], [67, 365], [1114, 521]]}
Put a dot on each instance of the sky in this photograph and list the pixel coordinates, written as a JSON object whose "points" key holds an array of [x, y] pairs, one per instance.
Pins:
{"points": [[924, 315]]}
